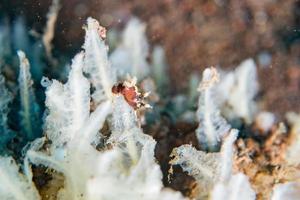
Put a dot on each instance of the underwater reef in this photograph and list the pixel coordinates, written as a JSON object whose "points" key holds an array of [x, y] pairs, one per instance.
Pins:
{"points": [[105, 125]]}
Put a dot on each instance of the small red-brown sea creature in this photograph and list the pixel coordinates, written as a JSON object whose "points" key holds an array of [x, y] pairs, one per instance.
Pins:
{"points": [[131, 94]]}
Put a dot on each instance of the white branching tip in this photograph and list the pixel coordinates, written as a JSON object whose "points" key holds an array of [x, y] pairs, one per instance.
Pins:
{"points": [[23, 60], [93, 24], [227, 153], [96, 63], [209, 78]]}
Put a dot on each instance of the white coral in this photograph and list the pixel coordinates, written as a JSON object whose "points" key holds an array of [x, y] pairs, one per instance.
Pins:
{"points": [[213, 171], [231, 186], [71, 128], [237, 90], [13, 185], [97, 65], [212, 126], [128, 168], [292, 152], [286, 191], [131, 55], [238, 187]]}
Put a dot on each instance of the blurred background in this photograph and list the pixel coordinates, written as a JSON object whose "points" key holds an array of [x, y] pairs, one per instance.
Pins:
{"points": [[194, 33]]}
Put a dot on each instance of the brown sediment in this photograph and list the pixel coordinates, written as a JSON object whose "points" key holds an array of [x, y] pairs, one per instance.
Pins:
{"points": [[264, 161], [48, 182]]}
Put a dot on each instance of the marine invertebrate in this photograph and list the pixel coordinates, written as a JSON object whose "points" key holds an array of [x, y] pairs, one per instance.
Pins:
{"points": [[212, 126], [29, 113], [131, 94], [72, 134]]}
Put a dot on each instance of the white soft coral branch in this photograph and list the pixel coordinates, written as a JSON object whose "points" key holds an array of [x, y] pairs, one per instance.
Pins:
{"points": [[126, 168], [69, 104], [213, 171], [212, 126], [238, 187], [237, 90], [29, 108], [231, 186], [78, 94], [131, 55], [129, 169], [14, 185], [244, 91], [71, 128], [287, 191], [227, 153], [97, 65]]}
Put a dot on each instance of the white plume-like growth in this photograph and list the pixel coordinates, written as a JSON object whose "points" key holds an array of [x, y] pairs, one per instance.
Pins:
{"points": [[123, 119], [204, 167], [242, 97], [76, 159], [133, 172], [286, 191], [13, 185], [125, 167], [237, 90], [68, 105], [136, 181], [293, 151], [70, 127], [128, 170], [131, 56], [213, 171], [29, 112], [238, 187], [229, 186], [227, 153], [122, 165], [212, 126], [125, 128], [97, 65]]}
